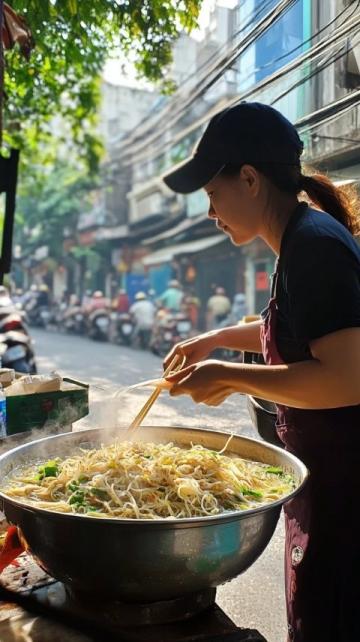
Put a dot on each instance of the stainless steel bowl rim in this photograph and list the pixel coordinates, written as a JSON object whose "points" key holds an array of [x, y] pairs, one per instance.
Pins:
{"points": [[181, 522]]}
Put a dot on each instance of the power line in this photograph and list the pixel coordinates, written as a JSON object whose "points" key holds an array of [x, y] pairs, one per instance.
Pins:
{"points": [[254, 14], [154, 108], [217, 69], [308, 77], [324, 114], [304, 42], [200, 91], [207, 63], [343, 139], [311, 54], [315, 52], [325, 65]]}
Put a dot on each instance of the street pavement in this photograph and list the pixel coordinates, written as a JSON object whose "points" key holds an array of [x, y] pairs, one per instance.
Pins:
{"points": [[256, 598]]}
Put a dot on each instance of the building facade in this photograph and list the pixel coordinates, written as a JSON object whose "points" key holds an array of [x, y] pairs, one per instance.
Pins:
{"points": [[155, 235]]}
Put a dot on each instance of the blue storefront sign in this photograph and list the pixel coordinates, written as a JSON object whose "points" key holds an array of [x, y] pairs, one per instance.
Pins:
{"points": [[136, 283]]}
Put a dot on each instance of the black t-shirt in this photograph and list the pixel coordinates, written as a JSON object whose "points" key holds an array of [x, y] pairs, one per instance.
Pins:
{"points": [[318, 285]]}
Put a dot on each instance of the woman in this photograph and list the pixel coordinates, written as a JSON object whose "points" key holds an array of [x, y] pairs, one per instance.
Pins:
{"points": [[248, 161]]}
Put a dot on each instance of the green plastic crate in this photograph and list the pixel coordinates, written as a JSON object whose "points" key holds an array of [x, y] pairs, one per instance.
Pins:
{"points": [[53, 410]]}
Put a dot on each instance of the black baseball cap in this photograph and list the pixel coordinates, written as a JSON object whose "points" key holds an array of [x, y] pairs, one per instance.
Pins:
{"points": [[246, 133]]}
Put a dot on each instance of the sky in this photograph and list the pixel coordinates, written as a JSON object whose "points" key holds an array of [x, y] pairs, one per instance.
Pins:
{"points": [[118, 71]]}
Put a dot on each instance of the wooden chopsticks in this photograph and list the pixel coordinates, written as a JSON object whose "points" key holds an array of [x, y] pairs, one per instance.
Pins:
{"points": [[175, 365]]}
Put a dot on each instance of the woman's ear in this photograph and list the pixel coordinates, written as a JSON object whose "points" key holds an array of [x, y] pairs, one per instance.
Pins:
{"points": [[250, 175]]}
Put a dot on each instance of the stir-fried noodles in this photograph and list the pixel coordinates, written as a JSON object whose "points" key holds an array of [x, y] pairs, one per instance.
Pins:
{"points": [[149, 481]]}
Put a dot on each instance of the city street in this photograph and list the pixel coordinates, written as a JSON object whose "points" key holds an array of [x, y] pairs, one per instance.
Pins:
{"points": [[254, 600], [166, 168]]}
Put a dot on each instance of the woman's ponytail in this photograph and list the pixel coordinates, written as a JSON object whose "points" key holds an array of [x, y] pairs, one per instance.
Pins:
{"points": [[341, 202]]}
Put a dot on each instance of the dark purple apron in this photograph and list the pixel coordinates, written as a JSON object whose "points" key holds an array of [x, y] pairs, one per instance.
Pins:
{"points": [[322, 548]]}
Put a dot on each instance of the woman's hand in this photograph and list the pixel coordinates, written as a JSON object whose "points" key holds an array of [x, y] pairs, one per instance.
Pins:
{"points": [[193, 350], [207, 382]]}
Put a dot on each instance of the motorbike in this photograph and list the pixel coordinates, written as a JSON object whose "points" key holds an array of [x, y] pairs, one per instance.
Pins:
{"points": [[142, 338], [169, 328], [98, 324], [122, 328], [74, 321], [38, 315], [16, 349]]}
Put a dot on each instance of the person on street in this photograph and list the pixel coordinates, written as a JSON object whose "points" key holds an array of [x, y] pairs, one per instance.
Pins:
{"points": [[98, 302], [191, 304], [248, 161], [218, 308], [122, 303], [238, 309], [18, 297], [172, 297], [30, 297], [43, 299], [86, 300], [143, 313]]}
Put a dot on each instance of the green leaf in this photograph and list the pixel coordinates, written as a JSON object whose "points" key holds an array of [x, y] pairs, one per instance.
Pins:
{"points": [[72, 4], [73, 40], [251, 493], [275, 470], [77, 498], [50, 469]]}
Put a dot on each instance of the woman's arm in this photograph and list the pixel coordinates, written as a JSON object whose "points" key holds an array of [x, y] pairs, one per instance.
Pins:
{"points": [[244, 337], [330, 380], [239, 337]]}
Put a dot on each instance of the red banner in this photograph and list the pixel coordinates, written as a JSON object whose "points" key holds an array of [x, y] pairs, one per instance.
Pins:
{"points": [[262, 281]]}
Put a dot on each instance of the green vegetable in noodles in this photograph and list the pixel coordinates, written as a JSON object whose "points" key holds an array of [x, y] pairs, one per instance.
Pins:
{"points": [[275, 470]]}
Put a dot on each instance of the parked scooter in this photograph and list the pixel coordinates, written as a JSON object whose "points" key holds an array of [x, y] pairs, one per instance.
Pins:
{"points": [[169, 328], [16, 349], [73, 318], [59, 312], [38, 309], [122, 328], [142, 338], [98, 324], [74, 321], [38, 316]]}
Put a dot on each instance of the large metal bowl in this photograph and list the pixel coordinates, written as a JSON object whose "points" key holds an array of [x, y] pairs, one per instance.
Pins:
{"points": [[145, 560]]}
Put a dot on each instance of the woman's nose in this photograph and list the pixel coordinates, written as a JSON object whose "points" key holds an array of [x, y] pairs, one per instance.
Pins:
{"points": [[211, 212]]}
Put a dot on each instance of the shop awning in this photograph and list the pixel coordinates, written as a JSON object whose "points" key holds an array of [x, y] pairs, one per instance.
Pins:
{"points": [[184, 225], [166, 254], [109, 233]]}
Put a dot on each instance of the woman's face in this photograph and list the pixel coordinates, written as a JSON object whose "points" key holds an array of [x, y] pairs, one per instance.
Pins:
{"points": [[236, 204]]}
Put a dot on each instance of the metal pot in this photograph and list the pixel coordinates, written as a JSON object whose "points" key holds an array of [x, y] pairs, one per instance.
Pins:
{"points": [[263, 416], [262, 413], [145, 560]]}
